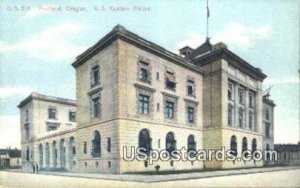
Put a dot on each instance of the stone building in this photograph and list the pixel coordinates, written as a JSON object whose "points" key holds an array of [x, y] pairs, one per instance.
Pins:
{"points": [[10, 158], [288, 154], [132, 92], [48, 132]]}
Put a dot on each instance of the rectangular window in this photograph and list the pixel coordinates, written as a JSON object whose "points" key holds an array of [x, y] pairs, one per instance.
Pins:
{"points": [[84, 147], [95, 76], [27, 115], [267, 130], [267, 114], [96, 107], [230, 114], [108, 144], [157, 76], [230, 91], [191, 114], [241, 96], [144, 71], [52, 126], [241, 117], [51, 113], [169, 110], [190, 88], [170, 81], [143, 104], [73, 150], [251, 120], [26, 127], [251, 99], [72, 116]]}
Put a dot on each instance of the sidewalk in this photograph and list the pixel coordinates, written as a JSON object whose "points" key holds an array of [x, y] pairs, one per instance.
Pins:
{"points": [[170, 177]]}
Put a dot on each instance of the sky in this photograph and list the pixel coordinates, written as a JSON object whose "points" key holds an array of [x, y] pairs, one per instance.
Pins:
{"points": [[40, 39]]}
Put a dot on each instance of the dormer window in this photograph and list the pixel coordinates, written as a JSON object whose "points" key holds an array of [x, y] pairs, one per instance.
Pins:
{"points": [[170, 81]]}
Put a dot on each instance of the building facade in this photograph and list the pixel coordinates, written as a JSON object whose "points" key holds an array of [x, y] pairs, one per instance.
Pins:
{"points": [[10, 158], [131, 92]]}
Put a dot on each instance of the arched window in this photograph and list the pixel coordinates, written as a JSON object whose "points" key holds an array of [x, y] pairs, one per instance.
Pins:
{"points": [[54, 154], [170, 142], [47, 152], [268, 154], [191, 143], [233, 145], [96, 144], [244, 146], [41, 155], [27, 153], [145, 140], [62, 150], [254, 145]]}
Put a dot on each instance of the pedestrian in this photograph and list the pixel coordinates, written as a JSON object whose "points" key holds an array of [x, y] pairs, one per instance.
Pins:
{"points": [[33, 168], [37, 168]]}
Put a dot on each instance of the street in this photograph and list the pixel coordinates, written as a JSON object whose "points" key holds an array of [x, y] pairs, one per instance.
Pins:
{"points": [[286, 178]]}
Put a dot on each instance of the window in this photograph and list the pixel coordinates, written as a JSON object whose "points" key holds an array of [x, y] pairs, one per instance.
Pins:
{"points": [[26, 127], [191, 143], [96, 144], [84, 147], [144, 73], [27, 115], [267, 130], [241, 117], [254, 145], [244, 146], [190, 88], [72, 116], [233, 145], [241, 96], [52, 126], [251, 120], [145, 140], [170, 81], [169, 110], [96, 107], [51, 113], [73, 150], [267, 114], [95, 76], [190, 112], [143, 104], [157, 76], [27, 153], [170, 142], [251, 99], [230, 114], [108, 144], [230, 91]]}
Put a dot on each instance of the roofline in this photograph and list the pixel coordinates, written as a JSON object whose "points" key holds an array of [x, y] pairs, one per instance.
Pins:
{"points": [[119, 32], [233, 60], [269, 102], [46, 98]]}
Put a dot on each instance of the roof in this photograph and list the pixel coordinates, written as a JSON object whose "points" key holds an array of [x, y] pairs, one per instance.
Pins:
{"points": [[287, 147], [268, 101], [120, 32], [13, 153], [47, 98], [207, 53]]}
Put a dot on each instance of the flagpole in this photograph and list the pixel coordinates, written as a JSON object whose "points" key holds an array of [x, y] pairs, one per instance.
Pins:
{"points": [[207, 17]]}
